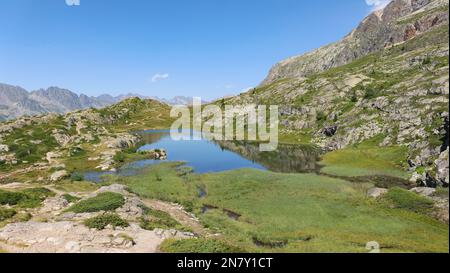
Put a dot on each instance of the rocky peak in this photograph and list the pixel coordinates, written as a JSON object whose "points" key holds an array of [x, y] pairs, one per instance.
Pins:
{"points": [[398, 22]]}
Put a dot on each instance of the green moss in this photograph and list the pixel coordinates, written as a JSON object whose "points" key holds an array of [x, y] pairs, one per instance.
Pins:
{"points": [[107, 201], [100, 222]]}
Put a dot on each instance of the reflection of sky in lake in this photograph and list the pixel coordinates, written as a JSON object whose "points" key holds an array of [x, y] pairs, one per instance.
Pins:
{"points": [[207, 156], [204, 156]]}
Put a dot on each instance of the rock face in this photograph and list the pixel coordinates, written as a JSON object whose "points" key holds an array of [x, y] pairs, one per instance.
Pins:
{"points": [[442, 166], [377, 31]]}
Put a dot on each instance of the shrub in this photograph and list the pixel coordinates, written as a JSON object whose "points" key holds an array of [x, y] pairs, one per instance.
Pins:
{"points": [[158, 219], [6, 214], [34, 197], [404, 199], [321, 117], [370, 93], [29, 198], [200, 245], [119, 157], [107, 201], [70, 198], [10, 198], [101, 221]]}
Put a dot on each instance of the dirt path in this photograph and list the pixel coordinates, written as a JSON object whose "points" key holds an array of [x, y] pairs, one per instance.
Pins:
{"points": [[178, 214]]}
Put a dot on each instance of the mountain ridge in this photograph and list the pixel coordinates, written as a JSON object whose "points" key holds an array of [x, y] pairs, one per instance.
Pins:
{"points": [[15, 101]]}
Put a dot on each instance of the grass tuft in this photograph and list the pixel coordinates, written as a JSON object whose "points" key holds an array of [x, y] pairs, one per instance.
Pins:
{"points": [[100, 222], [107, 201]]}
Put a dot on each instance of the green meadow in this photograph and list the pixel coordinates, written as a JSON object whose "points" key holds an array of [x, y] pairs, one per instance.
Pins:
{"points": [[259, 211]]}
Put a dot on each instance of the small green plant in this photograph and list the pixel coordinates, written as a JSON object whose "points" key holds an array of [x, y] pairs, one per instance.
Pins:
{"points": [[321, 117], [70, 198], [154, 219], [370, 93], [119, 157], [29, 198], [107, 201], [10, 198], [100, 222], [6, 214], [426, 61]]}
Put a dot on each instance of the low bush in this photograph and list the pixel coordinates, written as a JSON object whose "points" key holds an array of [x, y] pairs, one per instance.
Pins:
{"points": [[29, 198], [107, 201], [6, 214], [119, 157], [101, 221], [158, 219], [10, 198], [70, 198]]}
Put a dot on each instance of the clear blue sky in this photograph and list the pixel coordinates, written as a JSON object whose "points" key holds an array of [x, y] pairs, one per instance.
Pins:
{"points": [[206, 48]]}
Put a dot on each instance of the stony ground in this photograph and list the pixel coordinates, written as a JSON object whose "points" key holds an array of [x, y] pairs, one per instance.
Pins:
{"points": [[53, 230]]}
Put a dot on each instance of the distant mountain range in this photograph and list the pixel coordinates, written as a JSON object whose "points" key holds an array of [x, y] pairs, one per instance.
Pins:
{"points": [[15, 101]]}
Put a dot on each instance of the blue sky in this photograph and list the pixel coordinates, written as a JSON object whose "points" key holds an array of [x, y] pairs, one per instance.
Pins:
{"points": [[206, 48]]}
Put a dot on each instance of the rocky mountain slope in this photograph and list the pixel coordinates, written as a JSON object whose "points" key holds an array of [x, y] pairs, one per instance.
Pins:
{"points": [[400, 21], [384, 85]]}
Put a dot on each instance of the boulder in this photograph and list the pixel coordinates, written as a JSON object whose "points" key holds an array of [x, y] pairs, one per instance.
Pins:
{"points": [[4, 148], [58, 175], [330, 131], [52, 156], [376, 192], [424, 191]]}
